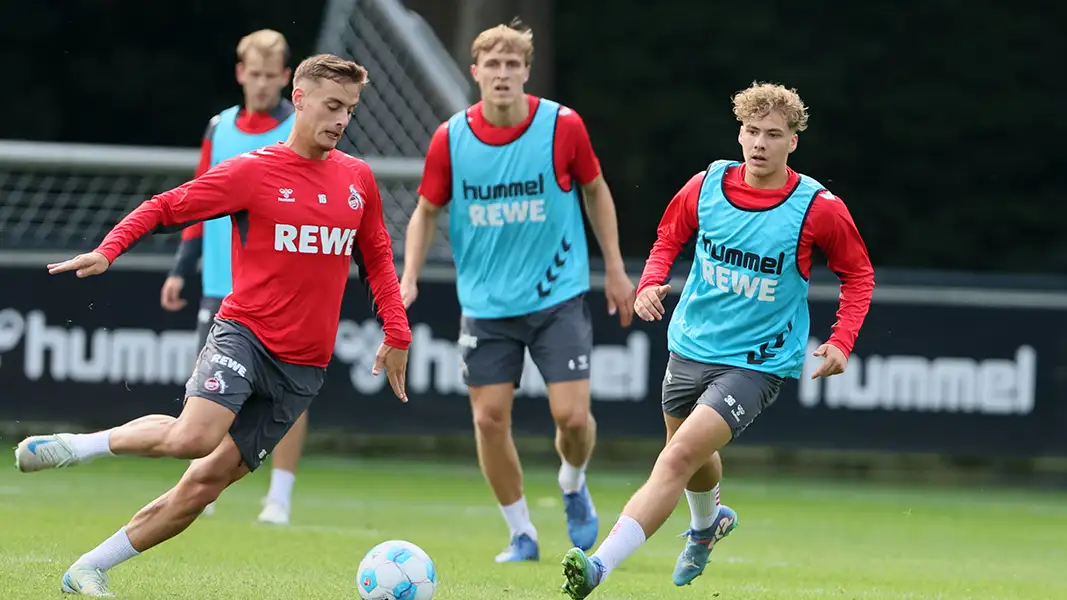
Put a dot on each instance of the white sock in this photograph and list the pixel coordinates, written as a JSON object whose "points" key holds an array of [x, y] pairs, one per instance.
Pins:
{"points": [[281, 486], [571, 477], [625, 538], [113, 551], [88, 446], [518, 517], [703, 508]]}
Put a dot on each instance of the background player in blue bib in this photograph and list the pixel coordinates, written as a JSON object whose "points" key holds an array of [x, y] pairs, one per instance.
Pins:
{"points": [[265, 118], [741, 325], [511, 167]]}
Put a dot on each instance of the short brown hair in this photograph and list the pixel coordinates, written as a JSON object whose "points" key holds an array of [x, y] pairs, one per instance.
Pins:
{"points": [[514, 37], [333, 67], [265, 41], [761, 98]]}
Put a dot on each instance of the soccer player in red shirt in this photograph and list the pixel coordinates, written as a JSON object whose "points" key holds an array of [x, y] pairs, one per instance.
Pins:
{"points": [[741, 325], [262, 119], [514, 169], [301, 211]]}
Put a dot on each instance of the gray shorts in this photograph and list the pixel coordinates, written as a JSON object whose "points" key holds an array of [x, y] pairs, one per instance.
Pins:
{"points": [[739, 395], [560, 340], [267, 395], [205, 318]]}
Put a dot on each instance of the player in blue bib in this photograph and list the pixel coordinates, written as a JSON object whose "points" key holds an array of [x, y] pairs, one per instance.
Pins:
{"points": [[740, 327], [265, 118], [511, 167]]}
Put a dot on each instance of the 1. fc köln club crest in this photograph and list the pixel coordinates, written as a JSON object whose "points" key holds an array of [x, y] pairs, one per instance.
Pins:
{"points": [[354, 199]]}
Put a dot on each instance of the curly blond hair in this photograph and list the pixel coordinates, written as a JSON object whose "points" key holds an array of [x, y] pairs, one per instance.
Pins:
{"points": [[760, 99], [514, 37]]}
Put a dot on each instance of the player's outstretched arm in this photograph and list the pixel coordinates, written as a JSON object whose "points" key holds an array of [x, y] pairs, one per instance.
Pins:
{"points": [[221, 191], [676, 228], [831, 228]]}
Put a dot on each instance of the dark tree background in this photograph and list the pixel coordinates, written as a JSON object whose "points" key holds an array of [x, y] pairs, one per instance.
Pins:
{"points": [[940, 123]]}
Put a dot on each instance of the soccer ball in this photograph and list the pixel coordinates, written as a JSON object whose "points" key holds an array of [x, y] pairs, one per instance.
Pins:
{"points": [[397, 570]]}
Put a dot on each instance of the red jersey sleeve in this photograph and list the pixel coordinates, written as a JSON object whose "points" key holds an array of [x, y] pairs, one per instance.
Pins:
{"points": [[574, 148], [676, 228], [436, 185], [221, 191], [376, 253], [197, 229], [830, 227]]}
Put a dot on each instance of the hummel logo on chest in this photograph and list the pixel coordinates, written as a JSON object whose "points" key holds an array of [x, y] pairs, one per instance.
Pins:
{"points": [[286, 195]]}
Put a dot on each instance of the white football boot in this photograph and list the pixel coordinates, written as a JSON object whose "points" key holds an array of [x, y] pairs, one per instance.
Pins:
{"points": [[41, 452], [86, 580]]}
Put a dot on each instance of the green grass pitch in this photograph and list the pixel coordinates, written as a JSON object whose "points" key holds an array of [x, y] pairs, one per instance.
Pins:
{"points": [[797, 539]]}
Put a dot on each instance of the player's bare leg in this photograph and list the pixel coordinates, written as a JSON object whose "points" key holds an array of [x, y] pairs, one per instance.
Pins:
{"points": [[702, 434], [284, 462], [162, 519], [499, 460], [569, 402], [193, 434], [709, 521]]}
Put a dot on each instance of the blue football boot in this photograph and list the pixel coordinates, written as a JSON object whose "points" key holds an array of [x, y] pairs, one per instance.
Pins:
{"points": [[582, 522], [699, 544], [522, 547]]}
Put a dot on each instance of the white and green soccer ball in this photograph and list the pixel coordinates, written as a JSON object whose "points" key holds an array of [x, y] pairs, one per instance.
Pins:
{"points": [[397, 570]]}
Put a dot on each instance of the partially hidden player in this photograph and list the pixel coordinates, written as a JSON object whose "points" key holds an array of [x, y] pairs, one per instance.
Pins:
{"points": [[741, 325], [301, 212], [514, 169], [264, 118]]}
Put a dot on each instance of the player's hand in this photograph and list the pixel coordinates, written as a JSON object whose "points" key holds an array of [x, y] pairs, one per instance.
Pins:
{"points": [[84, 265], [409, 290], [395, 362], [170, 297], [649, 304], [834, 361], [620, 293]]}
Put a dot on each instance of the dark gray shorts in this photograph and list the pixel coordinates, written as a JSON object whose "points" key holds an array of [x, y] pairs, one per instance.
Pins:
{"points": [[205, 318], [267, 395], [560, 340], [739, 395]]}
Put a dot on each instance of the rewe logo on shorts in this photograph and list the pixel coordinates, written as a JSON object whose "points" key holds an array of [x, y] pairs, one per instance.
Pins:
{"points": [[313, 239], [530, 209], [726, 270], [230, 363]]}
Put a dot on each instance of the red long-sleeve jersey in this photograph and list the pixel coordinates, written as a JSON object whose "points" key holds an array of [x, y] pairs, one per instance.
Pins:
{"points": [[828, 225], [297, 222]]}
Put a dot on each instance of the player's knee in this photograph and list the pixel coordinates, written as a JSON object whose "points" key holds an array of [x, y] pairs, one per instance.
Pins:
{"points": [[680, 460], [189, 443], [573, 420], [203, 484], [194, 494], [492, 422]]}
